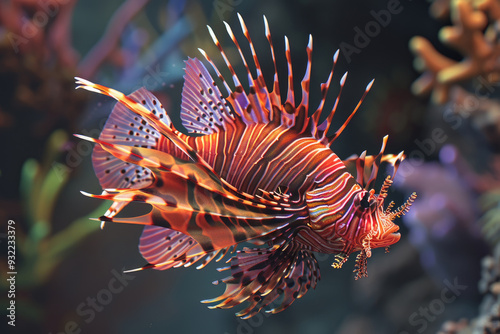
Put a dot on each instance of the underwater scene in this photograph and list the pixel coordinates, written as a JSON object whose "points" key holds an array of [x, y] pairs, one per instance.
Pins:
{"points": [[296, 166]]}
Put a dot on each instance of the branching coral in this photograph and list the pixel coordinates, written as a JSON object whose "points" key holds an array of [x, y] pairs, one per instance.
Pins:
{"points": [[39, 107], [40, 28], [489, 319], [110, 39], [467, 35], [475, 35]]}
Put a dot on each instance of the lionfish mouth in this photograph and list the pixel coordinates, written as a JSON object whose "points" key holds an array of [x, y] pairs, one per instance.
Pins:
{"points": [[394, 232], [389, 213]]}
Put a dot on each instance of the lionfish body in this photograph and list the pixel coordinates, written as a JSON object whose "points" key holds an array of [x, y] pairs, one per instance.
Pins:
{"points": [[260, 171]]}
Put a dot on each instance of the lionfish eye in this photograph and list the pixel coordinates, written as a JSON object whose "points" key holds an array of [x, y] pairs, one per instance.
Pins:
{"points": [[364, 202]]}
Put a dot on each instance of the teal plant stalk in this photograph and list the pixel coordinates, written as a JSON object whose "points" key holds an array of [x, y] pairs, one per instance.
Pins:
{"points": [[38, 249]]}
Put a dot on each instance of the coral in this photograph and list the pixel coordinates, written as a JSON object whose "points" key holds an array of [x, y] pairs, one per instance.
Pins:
{"points": [[468, 210], [479, 48], [467, 86], [451, 327], [39, 108], [475, 35], [440, 9], [490, 221], [35, 94], [109, 41], [481, 112], [443, 216], [489, 318], [40, 29]]}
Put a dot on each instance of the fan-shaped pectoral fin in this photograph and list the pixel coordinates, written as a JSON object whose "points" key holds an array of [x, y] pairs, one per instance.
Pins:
{"points": [[273, 277]]}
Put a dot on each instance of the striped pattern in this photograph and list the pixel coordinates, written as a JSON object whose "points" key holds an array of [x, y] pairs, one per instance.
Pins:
{"points": [[260, 171], [260, 156]]}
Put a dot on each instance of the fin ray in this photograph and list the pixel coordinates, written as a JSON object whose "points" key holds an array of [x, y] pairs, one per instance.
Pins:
{"points": [[275, 277]]}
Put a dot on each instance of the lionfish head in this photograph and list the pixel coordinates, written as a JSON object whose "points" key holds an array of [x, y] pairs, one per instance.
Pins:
{"points": [[357, 219], [378, 220], [369, 226], [376, 227]]}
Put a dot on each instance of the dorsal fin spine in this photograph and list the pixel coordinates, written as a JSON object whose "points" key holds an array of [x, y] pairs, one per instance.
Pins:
{"points": [[400, 157], [303, 109], [360, 168], [260, 105], [288, 112], [325, 126], [226, 86], [237, 107], [376, 164], [236, 80], [307, 76], [275, 95], [259, 83], [332, 138], [324, 91], [258, 112], [251, 81], [235, 41], [252, 48], [239, 91], [290, 98]]}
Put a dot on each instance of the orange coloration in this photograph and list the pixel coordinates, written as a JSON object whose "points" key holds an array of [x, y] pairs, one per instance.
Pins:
{"points": [[260, 172]]}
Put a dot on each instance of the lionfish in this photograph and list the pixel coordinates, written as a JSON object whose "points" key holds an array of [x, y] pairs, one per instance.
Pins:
{"points": [[258, 170]]}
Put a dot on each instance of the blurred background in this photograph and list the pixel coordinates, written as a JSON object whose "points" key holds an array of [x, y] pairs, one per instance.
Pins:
{"points": [[436, 95]]}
